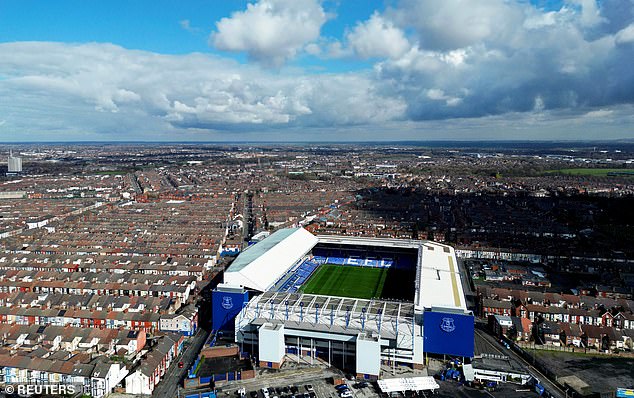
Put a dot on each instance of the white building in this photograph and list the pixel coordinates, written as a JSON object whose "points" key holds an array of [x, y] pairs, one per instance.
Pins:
{"points": [[14, 163], [185, 322]]}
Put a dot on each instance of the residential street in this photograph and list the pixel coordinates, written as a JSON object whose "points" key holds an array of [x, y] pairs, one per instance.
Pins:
{"points": [[169, 386]]}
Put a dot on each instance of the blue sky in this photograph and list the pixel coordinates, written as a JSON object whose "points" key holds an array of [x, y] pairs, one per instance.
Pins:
{"points": [[156, 25], [345, 70]]}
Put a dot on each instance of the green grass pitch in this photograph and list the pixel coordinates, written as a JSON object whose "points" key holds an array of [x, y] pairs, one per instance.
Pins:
{"points": [[347, 281]]}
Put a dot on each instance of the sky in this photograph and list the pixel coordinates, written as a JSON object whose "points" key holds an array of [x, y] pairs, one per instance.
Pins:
{"points": [[316, 70]]}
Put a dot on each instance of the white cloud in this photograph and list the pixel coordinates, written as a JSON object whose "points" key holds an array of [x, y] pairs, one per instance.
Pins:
{"points": [[119, 87], [312, 49], [451, 24], [625, 35], [187, 25], [590, 13], [378, 37], [436, 94], [599, 113], [271, 31], [498, 56]]}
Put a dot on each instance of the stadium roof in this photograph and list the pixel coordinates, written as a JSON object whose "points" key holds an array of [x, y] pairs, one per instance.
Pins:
{"points": [[357, 240], [262, 264], [438, 283], [252, 252]]}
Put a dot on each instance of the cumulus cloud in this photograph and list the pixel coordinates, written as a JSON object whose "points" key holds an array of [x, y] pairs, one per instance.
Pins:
{"points": [[121, 87], [378, 37], [590, 14], [451, 24], [491, 57], [270, 31], [625, 35]]}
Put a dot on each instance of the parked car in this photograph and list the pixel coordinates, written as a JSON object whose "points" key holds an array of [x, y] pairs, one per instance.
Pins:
{"points": [[341, 387]]}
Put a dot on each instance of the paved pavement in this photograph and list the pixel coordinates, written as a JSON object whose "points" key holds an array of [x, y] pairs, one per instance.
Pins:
{"points": [[170, 385]]}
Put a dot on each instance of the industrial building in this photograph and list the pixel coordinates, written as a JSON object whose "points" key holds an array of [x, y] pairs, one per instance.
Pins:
{"points": [[14, 164], [356, 303]]}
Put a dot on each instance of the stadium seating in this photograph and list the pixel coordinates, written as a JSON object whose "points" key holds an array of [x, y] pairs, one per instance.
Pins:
{"points": [[338, 257], [356, 261], [298, 276]]}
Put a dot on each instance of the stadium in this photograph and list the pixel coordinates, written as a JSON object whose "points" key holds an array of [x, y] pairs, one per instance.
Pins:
{"points": [[356, 303]]}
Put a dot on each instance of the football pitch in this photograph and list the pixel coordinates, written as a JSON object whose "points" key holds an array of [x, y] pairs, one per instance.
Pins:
{"points": [[347, 281]]}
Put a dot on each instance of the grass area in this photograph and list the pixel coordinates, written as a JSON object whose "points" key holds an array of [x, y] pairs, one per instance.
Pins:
{"points": [[347, 281], [590, 172]]}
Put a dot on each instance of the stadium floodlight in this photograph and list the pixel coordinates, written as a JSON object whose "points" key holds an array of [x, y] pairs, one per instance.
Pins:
{"points": [[301, 311]]}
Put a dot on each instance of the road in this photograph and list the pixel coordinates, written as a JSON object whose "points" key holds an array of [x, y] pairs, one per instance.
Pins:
{"points": [[546, 382], [169, 386]]}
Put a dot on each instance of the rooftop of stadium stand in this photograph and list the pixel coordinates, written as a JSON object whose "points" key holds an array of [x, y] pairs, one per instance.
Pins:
{"points": [[261, 266], [350, 240], [255, 251], [439, 279]]}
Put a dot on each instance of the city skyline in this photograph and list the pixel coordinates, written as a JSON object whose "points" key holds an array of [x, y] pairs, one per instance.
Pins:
{"points": [[311, 70]]}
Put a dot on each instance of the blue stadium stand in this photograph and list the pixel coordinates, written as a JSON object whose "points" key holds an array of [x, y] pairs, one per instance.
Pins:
{"points": [[299, 276], [356, 261]]}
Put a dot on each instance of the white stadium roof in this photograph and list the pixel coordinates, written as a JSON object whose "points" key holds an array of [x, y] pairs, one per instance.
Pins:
{"points": [[438, 283], [262, 264]]}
